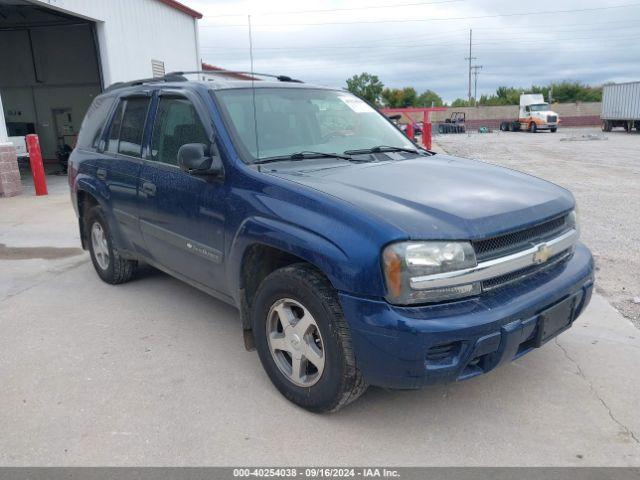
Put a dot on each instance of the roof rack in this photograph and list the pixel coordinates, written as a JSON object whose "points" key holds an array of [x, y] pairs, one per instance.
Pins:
{"points": [[170, 77], [280, 78], [180, 77]]}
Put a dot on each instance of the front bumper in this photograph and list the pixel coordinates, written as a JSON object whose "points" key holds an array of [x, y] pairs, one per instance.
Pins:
{"points": [[409, 347]]}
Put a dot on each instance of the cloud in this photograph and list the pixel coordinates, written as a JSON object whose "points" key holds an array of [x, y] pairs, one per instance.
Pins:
{"points": [[418, 45]]}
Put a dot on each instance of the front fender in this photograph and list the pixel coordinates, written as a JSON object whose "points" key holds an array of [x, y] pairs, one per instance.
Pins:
{"points": [[343, 272]]}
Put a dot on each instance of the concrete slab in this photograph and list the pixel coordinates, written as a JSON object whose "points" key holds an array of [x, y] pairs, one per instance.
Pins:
{"points": [[153, 372]]}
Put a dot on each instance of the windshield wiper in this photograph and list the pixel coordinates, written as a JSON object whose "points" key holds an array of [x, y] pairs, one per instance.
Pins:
{"points": [[382, 149], [301, 156]]}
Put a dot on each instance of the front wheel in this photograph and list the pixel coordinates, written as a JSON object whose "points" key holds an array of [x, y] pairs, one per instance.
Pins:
{"points": [[554, 129], [533, 128], [303, 340]]}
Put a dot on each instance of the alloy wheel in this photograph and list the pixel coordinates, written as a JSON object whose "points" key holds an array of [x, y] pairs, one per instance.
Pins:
{"points": [[295, 342], [100, 245]]}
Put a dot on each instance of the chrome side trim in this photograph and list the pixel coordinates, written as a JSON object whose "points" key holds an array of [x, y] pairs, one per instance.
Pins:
{"points": [[498, 266]]}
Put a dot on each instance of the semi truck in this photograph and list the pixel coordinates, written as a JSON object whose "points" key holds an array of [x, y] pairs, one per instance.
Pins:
{"points": [[534, 114], [621, 106]]}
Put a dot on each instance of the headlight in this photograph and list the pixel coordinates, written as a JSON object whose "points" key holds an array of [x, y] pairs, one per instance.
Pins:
{"points": [[406, 260]]}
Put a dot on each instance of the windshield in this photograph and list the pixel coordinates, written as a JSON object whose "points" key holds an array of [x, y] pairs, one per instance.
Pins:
{"points": [[540, 107], [292, 120]]}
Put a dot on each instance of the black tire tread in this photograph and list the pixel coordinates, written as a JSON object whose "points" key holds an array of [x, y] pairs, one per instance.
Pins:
{"points": [[353, 384], [122, 270]]}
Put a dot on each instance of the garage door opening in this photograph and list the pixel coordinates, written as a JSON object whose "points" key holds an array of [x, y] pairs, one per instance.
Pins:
{"points": [[49, 73]]}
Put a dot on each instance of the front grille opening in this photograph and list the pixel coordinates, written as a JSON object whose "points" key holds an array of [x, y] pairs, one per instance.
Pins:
{"points": [[512, 242], [508, 278], [473, 368], [443, 354]]}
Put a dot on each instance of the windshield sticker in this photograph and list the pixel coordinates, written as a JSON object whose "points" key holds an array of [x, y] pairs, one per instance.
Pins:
{"points": [[355, 104]]}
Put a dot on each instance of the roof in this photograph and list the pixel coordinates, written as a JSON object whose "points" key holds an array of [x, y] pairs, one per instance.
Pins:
{"points": [[182, 7]]}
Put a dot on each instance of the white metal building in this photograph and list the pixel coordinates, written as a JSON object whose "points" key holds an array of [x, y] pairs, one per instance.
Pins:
{"points": [[56, 55]]}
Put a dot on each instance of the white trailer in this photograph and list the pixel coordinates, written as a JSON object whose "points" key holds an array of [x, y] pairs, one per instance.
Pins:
{"points": [[621, 106]]}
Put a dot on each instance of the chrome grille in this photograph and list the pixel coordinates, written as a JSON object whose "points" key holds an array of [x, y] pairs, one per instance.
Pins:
{"points": [[508, 278], [502, 245], [551, 118]]}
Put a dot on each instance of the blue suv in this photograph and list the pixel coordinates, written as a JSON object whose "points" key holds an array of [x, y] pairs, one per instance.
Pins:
{"points": [[354, 257]]}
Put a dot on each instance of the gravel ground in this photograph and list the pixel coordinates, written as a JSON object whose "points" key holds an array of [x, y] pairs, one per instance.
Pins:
{"points": [[604, 176]]}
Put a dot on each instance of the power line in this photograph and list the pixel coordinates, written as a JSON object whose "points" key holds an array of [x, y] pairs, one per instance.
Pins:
{"points": [[477, 17], [294, 12]]}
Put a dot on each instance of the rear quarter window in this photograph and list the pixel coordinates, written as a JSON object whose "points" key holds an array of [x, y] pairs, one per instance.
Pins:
{"points": [[93, 123]]}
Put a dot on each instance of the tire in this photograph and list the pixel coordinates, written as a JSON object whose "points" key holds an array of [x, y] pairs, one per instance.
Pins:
{"points": [[533, 128], [441, 129], [504, 126], [606, 126], [512, 127], [294, 293], [109, 265], [554, 129]]}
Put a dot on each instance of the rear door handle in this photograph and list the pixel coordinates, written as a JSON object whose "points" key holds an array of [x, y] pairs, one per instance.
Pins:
{"points": [[101, 173], [149, 188]]}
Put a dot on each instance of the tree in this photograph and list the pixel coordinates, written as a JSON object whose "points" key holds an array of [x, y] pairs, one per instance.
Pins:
{"points": [[400, 98], [460, 102], [429, 98], [366, 86]]}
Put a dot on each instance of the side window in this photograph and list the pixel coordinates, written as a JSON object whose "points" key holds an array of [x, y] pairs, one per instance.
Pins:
{"points": [[94, 120], [114, 131], [177, 123], [135, 115]]}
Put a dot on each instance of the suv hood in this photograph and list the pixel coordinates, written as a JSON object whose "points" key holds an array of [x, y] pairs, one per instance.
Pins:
{"points": [[440, 197]]}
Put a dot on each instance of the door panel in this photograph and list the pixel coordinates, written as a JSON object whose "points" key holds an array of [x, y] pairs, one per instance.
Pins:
{"points": [[121, 172], [182, 216]]}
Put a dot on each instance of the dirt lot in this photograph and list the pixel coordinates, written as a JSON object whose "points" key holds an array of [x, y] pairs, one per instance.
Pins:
{"points": [[604, 176]]}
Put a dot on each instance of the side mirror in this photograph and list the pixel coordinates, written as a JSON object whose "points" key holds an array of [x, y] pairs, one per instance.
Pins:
{"points": [[194, 159]]}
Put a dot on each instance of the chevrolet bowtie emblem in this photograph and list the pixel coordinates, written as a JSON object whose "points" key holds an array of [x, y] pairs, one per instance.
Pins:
{"points": [[543, 253]]}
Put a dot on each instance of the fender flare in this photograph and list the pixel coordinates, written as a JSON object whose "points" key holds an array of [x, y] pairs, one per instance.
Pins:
{"points": [[101, 194], [308, 245]]}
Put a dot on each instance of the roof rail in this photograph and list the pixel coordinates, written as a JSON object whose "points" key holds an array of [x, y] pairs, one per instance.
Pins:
{"points": [[281, 78], [170, 77]]}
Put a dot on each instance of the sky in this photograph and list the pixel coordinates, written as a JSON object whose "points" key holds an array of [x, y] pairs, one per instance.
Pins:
{"points": [[423, 44]]}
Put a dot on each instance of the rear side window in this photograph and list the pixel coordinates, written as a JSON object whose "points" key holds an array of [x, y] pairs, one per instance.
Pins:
{"points": [[135, 114], [114, 131], [177, 123], [93, 123]]}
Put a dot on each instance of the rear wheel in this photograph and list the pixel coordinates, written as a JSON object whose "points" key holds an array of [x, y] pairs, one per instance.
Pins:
{"points": [[106, 259], [606, 126], [303, 340]]}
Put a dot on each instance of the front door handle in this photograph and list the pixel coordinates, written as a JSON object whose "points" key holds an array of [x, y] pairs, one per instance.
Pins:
{"points": [[149, 188], [101, 173]]}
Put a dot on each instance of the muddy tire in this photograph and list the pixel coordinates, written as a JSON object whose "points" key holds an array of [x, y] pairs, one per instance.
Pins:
{"points": [[109, 265], [303, 339]]}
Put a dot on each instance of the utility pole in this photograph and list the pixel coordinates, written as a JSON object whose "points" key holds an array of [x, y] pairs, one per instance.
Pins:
{"points": [[470, 58], [476, 71]]}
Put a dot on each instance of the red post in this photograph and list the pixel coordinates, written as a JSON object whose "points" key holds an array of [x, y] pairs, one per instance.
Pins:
{"points": [[426, 135], [35, 159], [410, 132]]}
